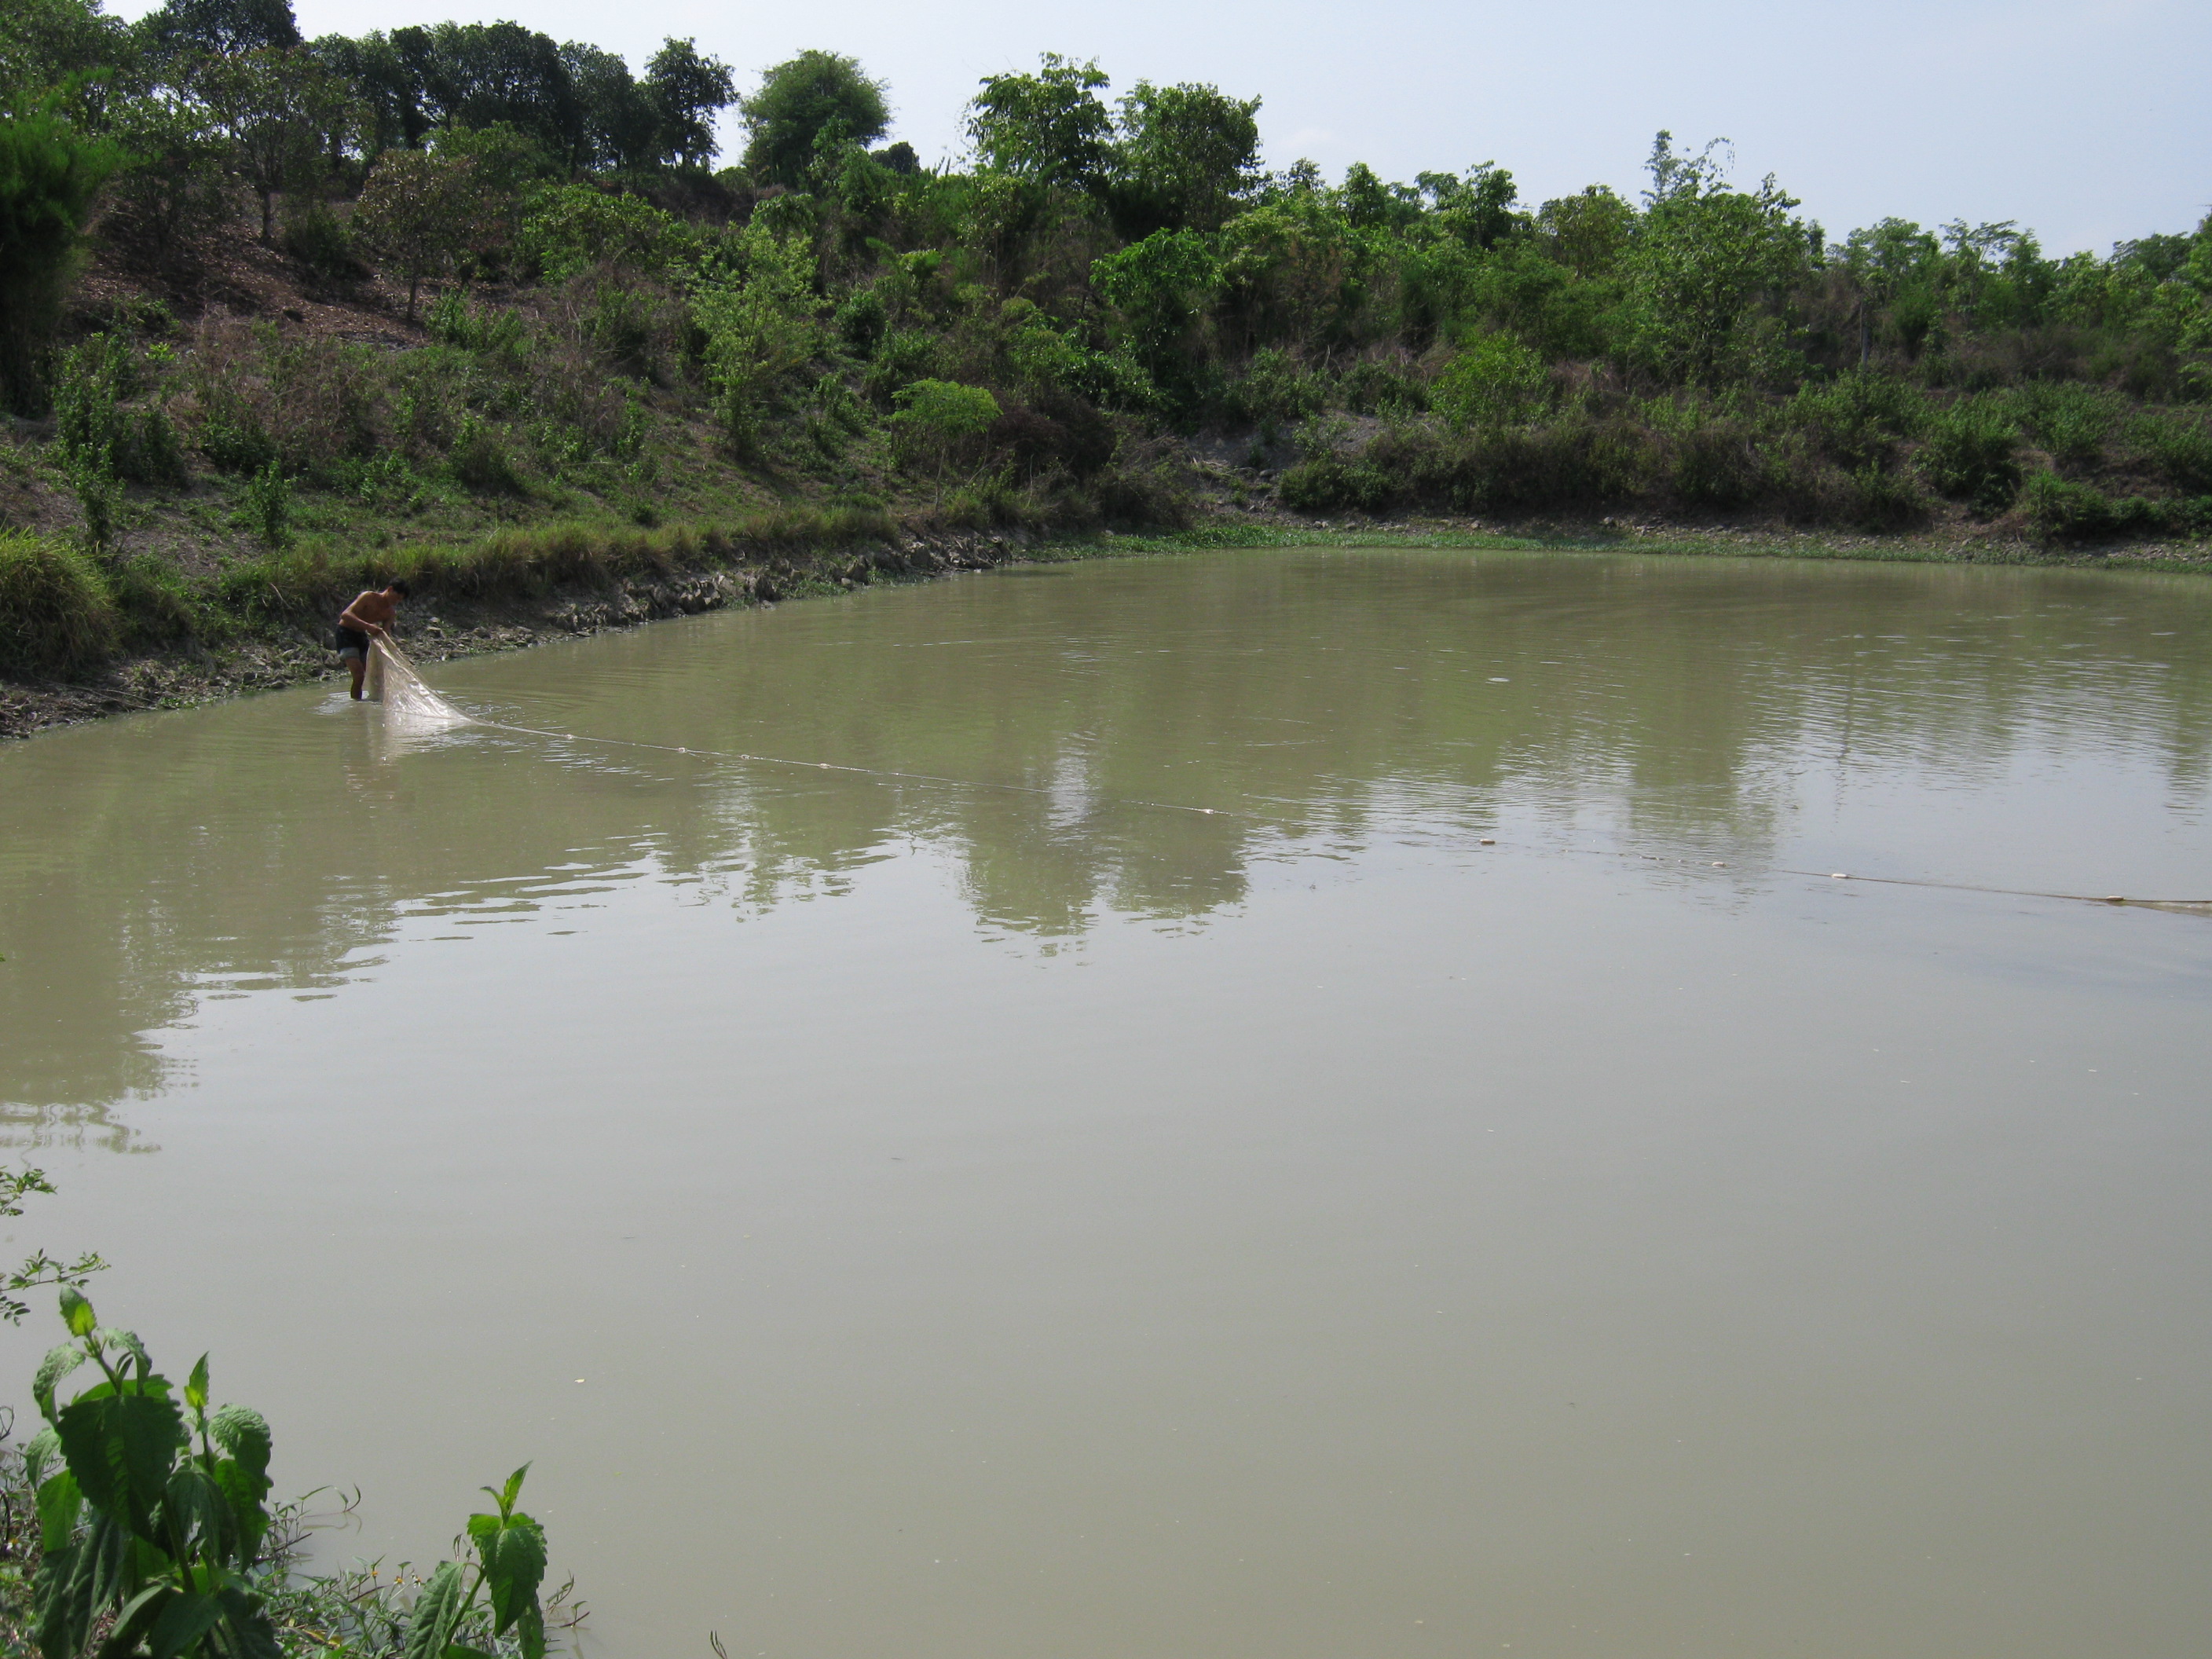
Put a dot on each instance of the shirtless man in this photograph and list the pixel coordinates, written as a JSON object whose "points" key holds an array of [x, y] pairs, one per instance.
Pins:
{"points": [[372, 612]]}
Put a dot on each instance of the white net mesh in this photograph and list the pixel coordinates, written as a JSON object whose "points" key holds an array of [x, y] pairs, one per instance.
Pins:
{"points": [[408, 705]]}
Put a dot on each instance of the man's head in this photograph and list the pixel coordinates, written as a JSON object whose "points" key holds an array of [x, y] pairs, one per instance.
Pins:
{"points": [[398, 590]]}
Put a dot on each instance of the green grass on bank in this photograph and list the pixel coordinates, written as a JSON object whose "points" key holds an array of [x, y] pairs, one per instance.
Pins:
{"points": [[63, 611]]}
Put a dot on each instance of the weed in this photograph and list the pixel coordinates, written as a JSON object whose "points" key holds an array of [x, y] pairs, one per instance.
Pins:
{"points": [[266, 505], [57, 609], [1970, 455]]}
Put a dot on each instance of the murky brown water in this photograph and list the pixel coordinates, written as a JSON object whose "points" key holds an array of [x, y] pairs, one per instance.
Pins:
{"points": [[1026, 1216]]}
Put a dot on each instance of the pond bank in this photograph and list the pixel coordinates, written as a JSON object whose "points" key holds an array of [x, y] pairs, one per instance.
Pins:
{"points": [[276, 645]]}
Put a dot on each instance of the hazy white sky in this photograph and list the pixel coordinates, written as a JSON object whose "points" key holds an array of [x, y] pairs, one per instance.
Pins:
{"points": [[2087, 121]]}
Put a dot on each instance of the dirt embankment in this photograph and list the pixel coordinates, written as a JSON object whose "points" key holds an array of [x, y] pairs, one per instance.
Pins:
{"points": [[436, 628]]}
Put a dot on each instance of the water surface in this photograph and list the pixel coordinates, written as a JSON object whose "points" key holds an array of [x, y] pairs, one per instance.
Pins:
{"points": [[1272, 1104]]}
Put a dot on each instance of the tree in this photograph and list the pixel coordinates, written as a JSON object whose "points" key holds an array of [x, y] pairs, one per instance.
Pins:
{"points": [[937, 420], [621, 128], [801, 101], [50, 174], [386, 91], [67, 45], [275, 107], [1051, 126], [221, 28], [686, 92], [417, 210], [1186, 153], [173, 187], [475, 74]]}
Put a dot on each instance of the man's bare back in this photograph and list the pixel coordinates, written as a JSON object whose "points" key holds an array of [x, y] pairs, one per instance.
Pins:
{"points": [[373, 612]]}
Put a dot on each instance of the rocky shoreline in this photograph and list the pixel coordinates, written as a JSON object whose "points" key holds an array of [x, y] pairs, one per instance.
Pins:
{"points": [[441, 628]]}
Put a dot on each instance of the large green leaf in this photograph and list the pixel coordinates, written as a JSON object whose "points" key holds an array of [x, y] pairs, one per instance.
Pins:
{"points": [[42, 1449], [196, 1386], [436, 1615], [513, 1551], [182, 1623], [200, 1510], [121, 1449], [76, 1312], [243, 1432], [61, 1604], [245, 1622], [245, 1494], [133, 1617], [61, 1505], [58, 1363]]}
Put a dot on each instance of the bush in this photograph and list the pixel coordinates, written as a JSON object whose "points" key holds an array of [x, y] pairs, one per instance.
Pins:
{"points": [[1277, 392], [1331, 483], [1970, 455], [1495, 381], [2180, 446], [2071, 421], [482, 461], [1882, 500], [267, 508], [1714, 465], [57, 611], [1859, 418], [314, 236], [2061, 510]]}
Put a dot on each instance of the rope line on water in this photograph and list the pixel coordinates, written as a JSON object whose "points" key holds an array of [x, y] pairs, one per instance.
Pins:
{"points": [[2185, 906]]}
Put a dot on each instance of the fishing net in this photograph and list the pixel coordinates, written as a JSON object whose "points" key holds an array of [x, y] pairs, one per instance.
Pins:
{"points": [[408, 705]]}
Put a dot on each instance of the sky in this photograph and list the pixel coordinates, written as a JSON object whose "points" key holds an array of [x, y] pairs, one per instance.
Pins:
{"points": [[2086, 121]]}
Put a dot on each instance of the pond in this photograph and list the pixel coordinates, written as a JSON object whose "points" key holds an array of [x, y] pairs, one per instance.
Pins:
{"points": [[1264, 1103]]}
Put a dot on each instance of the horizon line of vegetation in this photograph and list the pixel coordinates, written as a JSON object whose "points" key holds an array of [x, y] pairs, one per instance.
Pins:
{"points": [[618, 328]]}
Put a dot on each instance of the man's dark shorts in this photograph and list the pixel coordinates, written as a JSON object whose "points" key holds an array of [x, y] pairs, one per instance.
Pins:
{"points": [[352, 642]]}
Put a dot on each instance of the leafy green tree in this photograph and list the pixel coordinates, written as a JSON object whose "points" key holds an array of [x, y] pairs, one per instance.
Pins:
{"points": [[173, 188], [1185, 154], [621, 127], [799, 103], [475, 74], [939, 419], [416, 212], [222, 27], [383, 83], [1586, 234], [50, 174], [274, 105], [1051, 126], [1704, 257], [1477, 208], [1495, 382], [67, 49], [686, 92]]}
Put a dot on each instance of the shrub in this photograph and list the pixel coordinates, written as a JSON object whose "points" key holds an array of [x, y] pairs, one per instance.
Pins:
{"points": [[2071, 421], [482, 460], [2061, 510], [1714, 465], [49, 176], [1277, 392], [267, 508], [1859, 418], [57, 611], [577, 227], [1495, 381], [2180, 446], [1882, 500], [939, 419], [230, 432], [154, 603], [314, 236], [1970, 455], [1333, 483]]}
